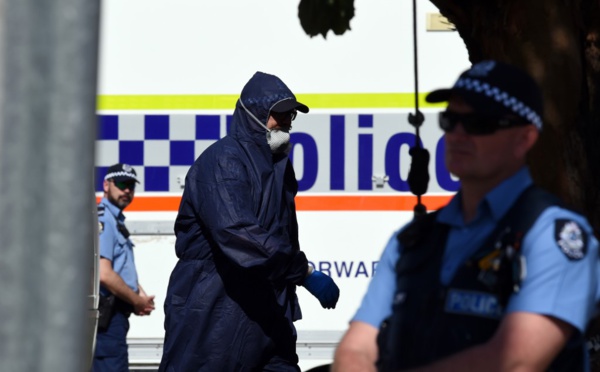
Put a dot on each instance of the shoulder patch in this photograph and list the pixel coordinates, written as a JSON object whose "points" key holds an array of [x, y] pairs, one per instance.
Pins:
{"points": [[100, 227], [100, 210], [571, 239]]}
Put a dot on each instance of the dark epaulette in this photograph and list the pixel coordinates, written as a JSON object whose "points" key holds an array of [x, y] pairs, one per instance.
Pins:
{"points": [[100, 210]]}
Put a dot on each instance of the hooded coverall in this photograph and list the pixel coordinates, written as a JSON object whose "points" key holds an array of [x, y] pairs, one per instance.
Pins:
{"points": [[231, 299]]}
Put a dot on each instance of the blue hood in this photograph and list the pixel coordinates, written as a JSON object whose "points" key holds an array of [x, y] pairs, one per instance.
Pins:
{"points": [[259, 95]]}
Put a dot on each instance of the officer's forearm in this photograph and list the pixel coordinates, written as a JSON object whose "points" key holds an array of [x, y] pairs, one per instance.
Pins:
{"points": [[523, 342], [110, 280], [472, 359], [357, 351], [353, 361]]}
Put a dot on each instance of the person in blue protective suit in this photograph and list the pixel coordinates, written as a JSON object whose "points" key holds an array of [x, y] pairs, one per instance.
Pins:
{"points": [[231, 300], [502, 278], [120, 292]]}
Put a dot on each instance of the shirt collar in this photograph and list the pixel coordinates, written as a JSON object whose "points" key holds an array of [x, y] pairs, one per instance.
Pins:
{"points": [[496, 202], [113, 209]]}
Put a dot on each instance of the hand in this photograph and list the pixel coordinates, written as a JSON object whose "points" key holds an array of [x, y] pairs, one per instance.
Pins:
{"points": [[323, 288], [144, 306]]}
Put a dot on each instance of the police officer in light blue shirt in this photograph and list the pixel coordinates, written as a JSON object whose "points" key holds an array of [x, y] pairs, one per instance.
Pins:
{"points": [[120, 291], [505, 276]]}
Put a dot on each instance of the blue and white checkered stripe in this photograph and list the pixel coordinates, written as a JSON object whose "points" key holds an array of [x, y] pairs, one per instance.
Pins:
{"points": [[501, 97], [161, 148]]}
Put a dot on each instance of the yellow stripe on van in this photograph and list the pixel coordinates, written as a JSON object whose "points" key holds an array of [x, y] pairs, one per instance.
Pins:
{"points": [[167, 102], [227, 101], [363, 100]]}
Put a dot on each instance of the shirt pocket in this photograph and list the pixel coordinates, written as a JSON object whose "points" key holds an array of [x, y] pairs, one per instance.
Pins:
{"points": [[122, 245]]}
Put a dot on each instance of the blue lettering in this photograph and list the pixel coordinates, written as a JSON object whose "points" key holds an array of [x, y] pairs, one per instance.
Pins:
{"points": [[343, 269], [365, 162], [337, 147], [361, 270], [310, 161], [228, 120], [325, 267], [365, 154]]}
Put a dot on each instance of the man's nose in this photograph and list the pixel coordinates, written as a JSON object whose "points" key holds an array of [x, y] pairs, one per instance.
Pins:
{"points": [[458, 129]]}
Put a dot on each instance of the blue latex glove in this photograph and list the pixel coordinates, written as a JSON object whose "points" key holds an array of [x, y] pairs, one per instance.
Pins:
{"points": [[323, 288]]}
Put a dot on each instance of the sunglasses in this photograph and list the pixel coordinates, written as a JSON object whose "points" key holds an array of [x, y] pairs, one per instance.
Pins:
{"points": [[284, 115], [477, 124], [121, 185]]}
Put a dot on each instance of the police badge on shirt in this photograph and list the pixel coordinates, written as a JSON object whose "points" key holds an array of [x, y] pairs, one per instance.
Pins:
{"points": [[100, 223], [571, 239]]}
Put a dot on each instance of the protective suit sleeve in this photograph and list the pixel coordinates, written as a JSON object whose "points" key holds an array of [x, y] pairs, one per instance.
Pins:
{"points": [[228, 209]]}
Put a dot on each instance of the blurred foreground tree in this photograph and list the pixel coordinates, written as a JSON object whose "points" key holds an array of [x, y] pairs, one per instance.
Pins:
{"points": [[320, 16], [558, 43]]}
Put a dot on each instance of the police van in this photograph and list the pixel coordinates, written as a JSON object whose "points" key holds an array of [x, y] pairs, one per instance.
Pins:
{"points": [[169, 76]]}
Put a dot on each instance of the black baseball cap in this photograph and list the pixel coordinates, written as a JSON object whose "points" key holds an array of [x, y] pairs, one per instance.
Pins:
{"points": [[497, 88], [289, 104], [121, 172]]}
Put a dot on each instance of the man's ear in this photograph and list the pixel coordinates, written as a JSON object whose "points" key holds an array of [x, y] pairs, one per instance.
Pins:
{"points": [[527, 137], [105, 185]]}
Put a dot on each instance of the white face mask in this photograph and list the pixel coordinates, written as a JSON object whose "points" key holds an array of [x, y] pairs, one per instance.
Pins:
{"points": [[277, 139]]}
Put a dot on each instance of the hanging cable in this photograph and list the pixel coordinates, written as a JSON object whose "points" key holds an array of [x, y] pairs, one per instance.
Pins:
{"points": [[418, 175]]}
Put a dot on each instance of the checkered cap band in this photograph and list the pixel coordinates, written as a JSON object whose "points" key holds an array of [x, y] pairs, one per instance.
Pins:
{"points": [[120, 174], [500, 96]]}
